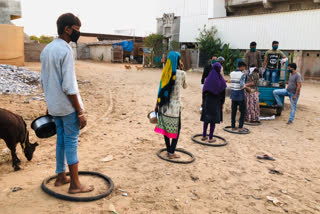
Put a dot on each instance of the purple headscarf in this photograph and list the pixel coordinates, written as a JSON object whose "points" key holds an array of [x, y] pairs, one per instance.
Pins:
{"points": [[215, 83]]}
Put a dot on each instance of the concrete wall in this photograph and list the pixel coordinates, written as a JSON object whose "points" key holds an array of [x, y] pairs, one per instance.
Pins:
{"points": [[32, 51], [193, 14], [83, 51], [194, 55], [311, 65], [176, 29], [101, 52], [9, 10], [169, 26], [74, 49], [11, 45]]}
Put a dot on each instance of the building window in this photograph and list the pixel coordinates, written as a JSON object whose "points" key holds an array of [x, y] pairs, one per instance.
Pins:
{"points": [[318, 55], [308, 54]]}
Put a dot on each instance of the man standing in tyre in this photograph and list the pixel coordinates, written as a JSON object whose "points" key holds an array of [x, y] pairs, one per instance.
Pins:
{"points": [[272, 62], [59, 83]]}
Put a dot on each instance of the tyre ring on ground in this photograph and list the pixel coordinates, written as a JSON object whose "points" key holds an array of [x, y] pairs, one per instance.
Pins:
{"points": [[210, 144], [78, 199], [253, 124], [175, 160], [229, 129]]}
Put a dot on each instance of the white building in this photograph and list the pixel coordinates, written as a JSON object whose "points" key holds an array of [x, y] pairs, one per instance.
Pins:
{"points": [[294, 23]]}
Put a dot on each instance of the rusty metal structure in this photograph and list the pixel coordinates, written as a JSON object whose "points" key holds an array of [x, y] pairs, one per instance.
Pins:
{"points": [[102, 37]]}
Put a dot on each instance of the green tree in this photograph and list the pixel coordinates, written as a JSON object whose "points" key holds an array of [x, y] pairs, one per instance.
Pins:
{"points": [[46, 39], [208, 41], [174, 46], [210, 44], [230, 57], [35, 38], [42, 39], [154, 41]]}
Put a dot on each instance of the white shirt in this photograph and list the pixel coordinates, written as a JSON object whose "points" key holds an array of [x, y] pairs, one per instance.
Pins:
{"points": [[58, 78]]}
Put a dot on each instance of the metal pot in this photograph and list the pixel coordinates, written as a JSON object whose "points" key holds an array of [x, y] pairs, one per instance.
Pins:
{"points": [[264, 83], [153, 117], [44, 126], [276, 85]]}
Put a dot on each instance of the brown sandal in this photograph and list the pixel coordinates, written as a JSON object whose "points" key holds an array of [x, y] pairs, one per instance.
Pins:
{"points": [[204, 138], [212, 140]]}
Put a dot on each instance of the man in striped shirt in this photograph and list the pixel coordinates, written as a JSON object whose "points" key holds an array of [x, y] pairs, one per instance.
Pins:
{"points": [[238, 78]]}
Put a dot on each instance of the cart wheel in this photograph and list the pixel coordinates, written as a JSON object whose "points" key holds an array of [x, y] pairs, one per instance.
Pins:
{"points": [[279, 111]]}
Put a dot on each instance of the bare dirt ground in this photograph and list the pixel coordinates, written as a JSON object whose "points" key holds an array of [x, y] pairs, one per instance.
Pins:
{"points": [[222, 180]]}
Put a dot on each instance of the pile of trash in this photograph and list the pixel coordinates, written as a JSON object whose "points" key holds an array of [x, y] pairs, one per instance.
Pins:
{"points": [[18, 80]]}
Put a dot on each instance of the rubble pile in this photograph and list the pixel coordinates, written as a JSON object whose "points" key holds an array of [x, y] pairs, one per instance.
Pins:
{"points": [[18, 80]]}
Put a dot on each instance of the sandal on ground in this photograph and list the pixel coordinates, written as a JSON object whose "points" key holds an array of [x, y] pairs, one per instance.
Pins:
{"points": [[204, 138], [254, 121], [212, 140], [174, 156], [242, 130], [265, 157]]}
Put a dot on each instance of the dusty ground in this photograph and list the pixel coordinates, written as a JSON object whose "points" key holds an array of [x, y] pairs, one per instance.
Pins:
{"points": [[221, 180]]}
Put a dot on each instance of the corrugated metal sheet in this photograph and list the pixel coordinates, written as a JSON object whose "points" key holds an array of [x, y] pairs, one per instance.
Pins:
{"points": [[294, 30], [117, 54], [190, 25]]}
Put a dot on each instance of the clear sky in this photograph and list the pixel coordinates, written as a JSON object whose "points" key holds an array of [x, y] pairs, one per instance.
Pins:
{"points": [[97, 16]]}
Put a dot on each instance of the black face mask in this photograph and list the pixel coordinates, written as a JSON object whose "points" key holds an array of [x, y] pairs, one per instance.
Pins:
{"points": [[290, 71], [74, 36]]}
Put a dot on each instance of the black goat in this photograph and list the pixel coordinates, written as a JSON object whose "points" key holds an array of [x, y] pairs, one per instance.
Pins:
{"points": [[13, 130]]}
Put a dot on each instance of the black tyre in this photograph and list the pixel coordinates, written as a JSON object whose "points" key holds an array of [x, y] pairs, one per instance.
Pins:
{"points": [[229, 129], [78, 199], [210, 144], [279, 111], [258, 123], [177, 161]]}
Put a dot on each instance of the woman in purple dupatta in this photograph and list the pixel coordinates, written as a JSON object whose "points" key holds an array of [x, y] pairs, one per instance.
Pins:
{"points": [[214, 97]]}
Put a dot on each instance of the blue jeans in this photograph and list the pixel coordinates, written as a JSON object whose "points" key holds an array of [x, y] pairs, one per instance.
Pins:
{"points": [[284, 92], [272, 75], [67, 141]]}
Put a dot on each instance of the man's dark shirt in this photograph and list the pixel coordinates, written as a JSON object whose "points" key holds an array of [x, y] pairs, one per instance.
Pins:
{"points": [[206, 72]]}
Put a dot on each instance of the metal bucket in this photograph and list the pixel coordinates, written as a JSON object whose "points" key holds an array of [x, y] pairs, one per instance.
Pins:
{"points": [[153, 117]]}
